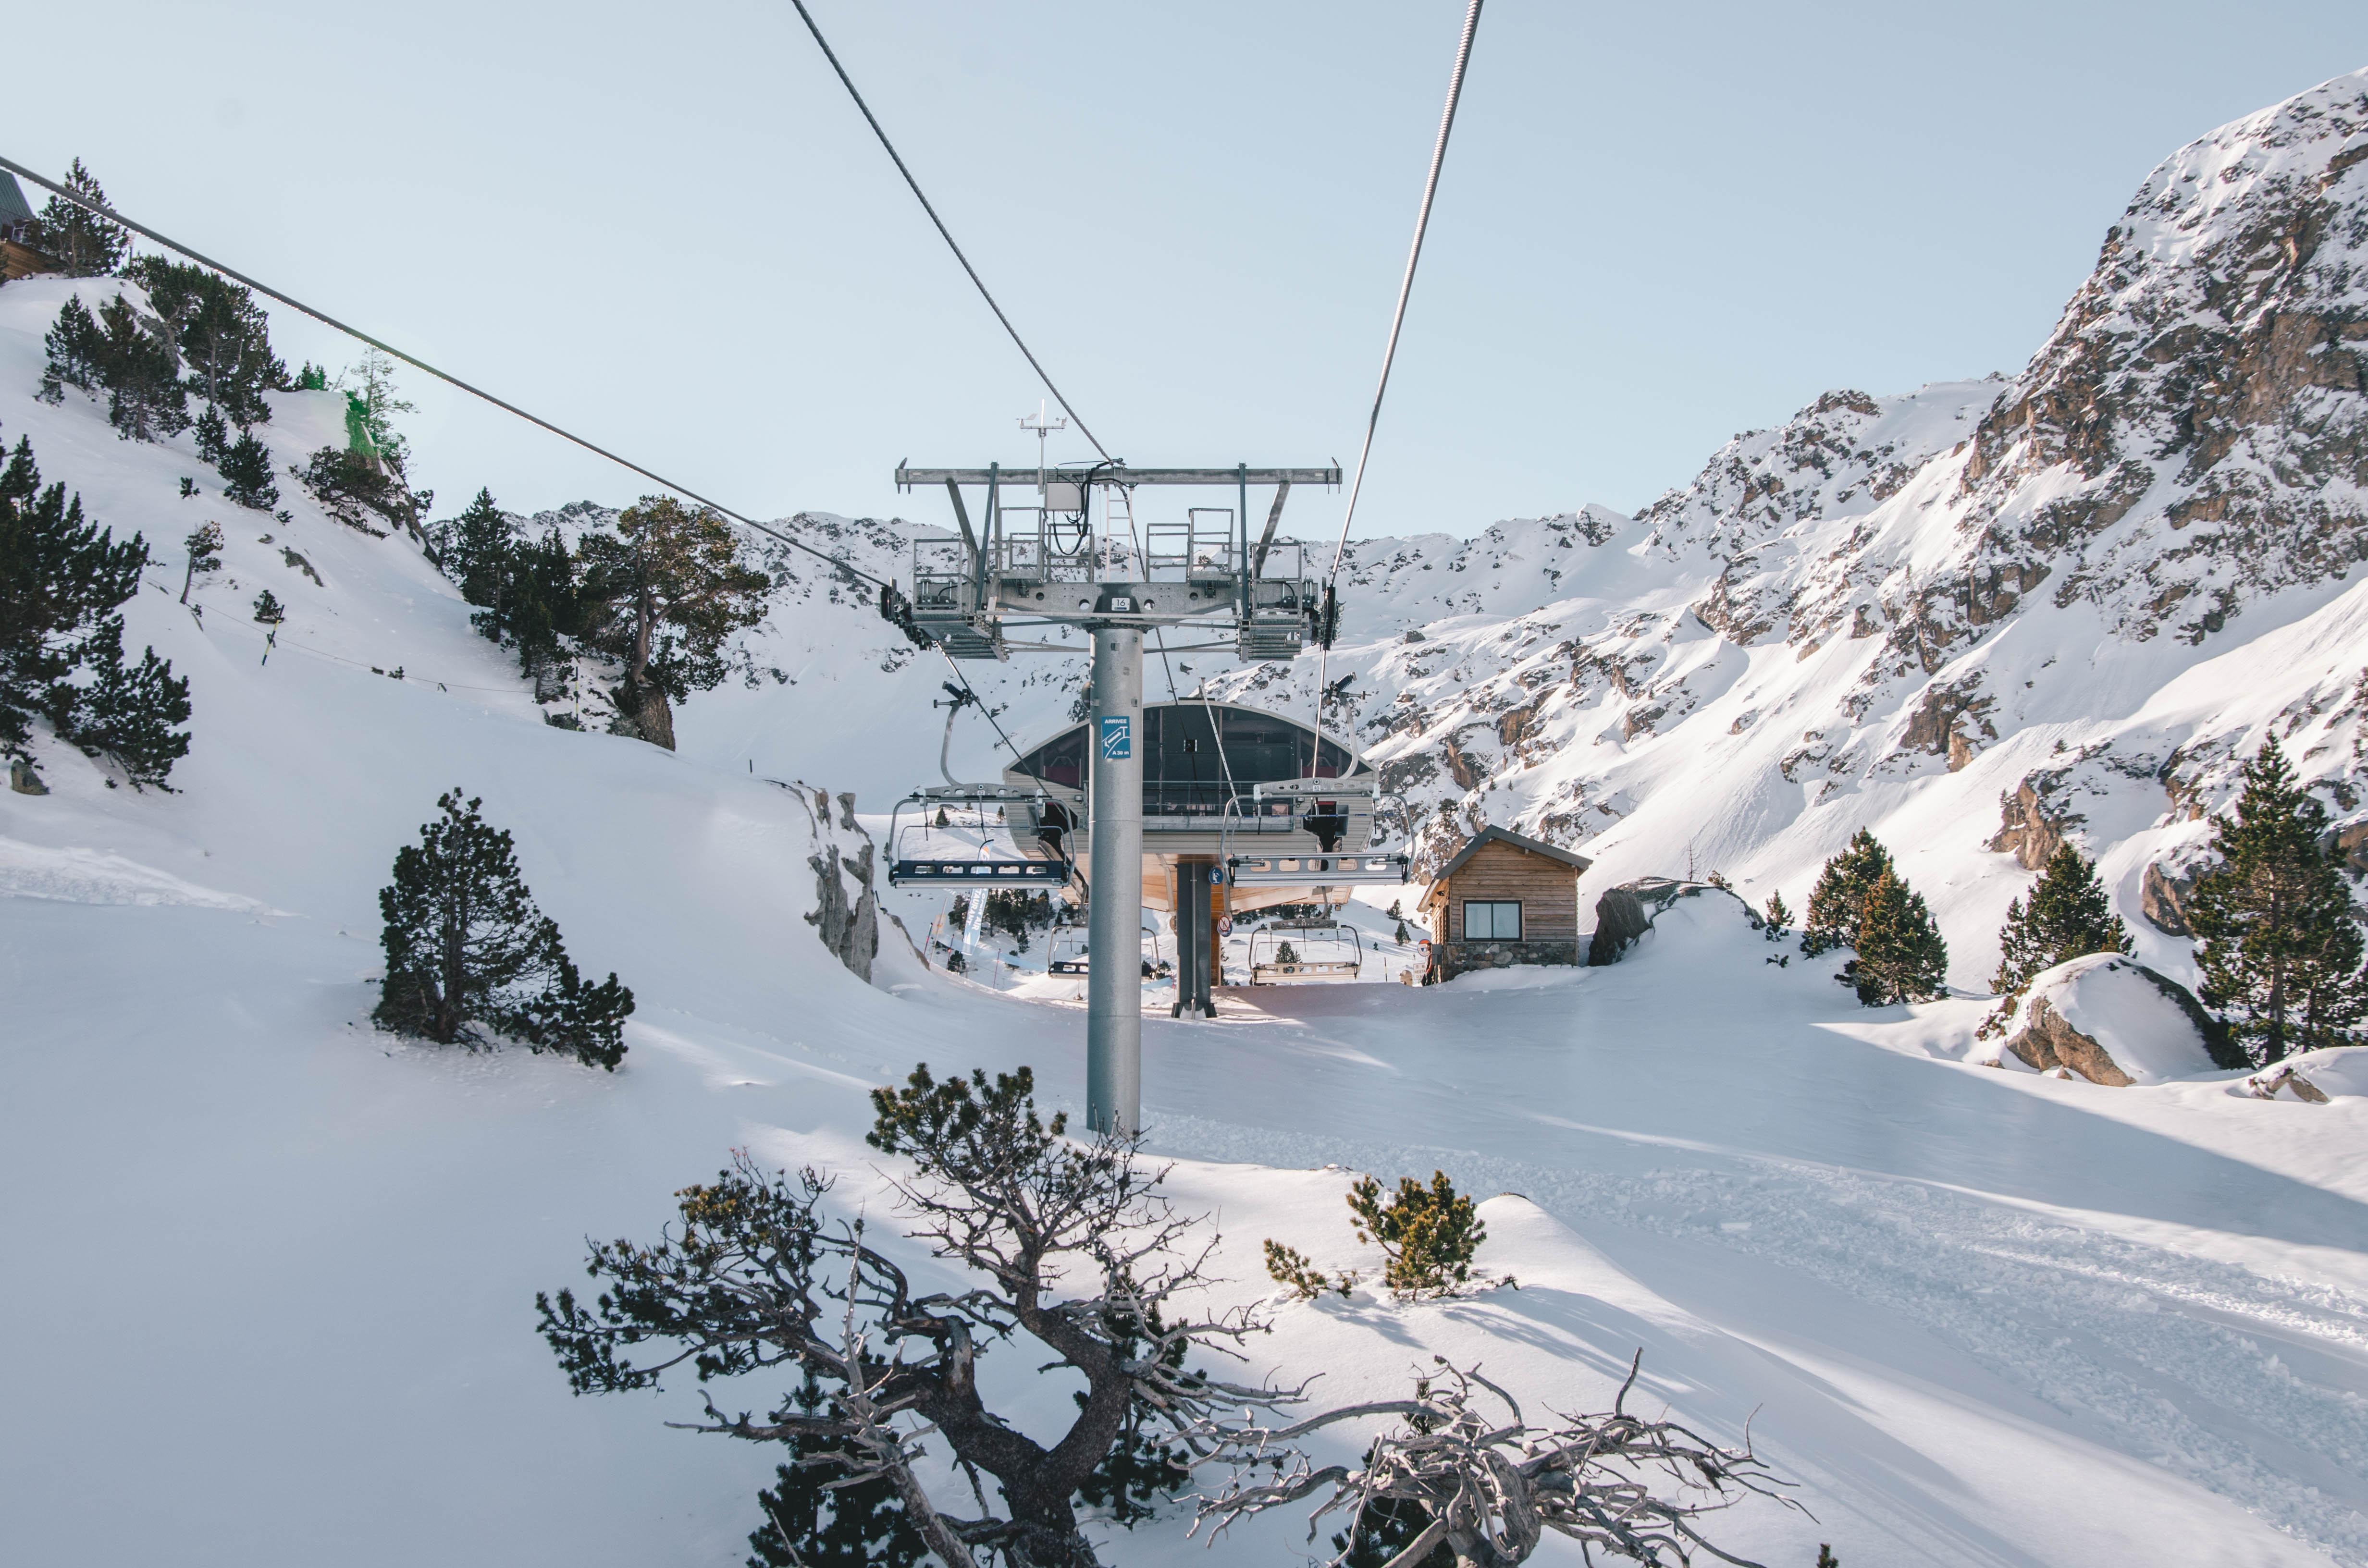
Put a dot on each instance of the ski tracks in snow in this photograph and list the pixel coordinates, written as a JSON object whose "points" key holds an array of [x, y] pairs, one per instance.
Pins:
{"points": [[2246, 1384]]}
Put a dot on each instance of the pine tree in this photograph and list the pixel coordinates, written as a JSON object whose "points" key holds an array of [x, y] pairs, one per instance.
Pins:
{"points": [[60, 577], [246, 474], [2066, 917], [311, 377], [204, 545], [76, 347], [1403, 936], [2280, 948], [141, 371], [1780, 919], [1900, 955], [220, 331], [1840, 894], [213, 437], [663, 593], [268, 611], [82, 244], [475, 551], [129, 713], [468, 954]]}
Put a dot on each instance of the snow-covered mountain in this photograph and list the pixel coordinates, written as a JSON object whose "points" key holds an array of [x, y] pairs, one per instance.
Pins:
{"points": [[1971, 617]]}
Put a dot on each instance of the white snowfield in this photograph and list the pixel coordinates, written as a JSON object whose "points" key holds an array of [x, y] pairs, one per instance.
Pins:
{"points": [[269, 1299]]}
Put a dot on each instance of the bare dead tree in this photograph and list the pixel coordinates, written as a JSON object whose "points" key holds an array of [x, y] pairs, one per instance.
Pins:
{"points": [[1494, 1488], [1074, 1246]]}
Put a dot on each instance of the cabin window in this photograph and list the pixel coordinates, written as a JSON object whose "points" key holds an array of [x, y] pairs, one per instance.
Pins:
{"points": [[1060, 760], [1492, 920]]}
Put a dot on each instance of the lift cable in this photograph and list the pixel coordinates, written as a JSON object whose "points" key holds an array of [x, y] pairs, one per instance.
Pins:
{"points": [[947, 235], [1390, 354], [269, 293]]}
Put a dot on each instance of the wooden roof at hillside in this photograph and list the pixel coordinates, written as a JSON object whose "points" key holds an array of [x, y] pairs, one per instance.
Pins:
{"points": [[1489, 835]]}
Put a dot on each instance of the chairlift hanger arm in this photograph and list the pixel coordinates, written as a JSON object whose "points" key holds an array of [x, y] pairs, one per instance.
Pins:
{"points": [[1119, 474]]}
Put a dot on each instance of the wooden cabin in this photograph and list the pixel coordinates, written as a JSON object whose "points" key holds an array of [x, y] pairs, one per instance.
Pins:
{"points": [[17, 259], [1504, 899]]}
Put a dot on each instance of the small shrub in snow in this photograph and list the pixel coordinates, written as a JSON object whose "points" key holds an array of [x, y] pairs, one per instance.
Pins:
{"points": [[1288, 1267], [1779, 919], [1901, 957], [1840, 894], [2280, 949], [268, 611], [1428, 1235], [469, 954], [2066, 917]]}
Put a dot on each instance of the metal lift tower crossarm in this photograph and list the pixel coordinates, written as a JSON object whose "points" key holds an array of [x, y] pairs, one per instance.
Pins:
{"points": [[966, 586]]}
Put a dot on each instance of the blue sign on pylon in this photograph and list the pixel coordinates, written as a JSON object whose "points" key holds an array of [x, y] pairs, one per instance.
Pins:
{"points": [[1118, 738]]}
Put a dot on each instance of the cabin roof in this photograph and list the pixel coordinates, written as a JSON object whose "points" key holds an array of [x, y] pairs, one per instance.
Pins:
{"points": [[12, 207], [1489, 835]]}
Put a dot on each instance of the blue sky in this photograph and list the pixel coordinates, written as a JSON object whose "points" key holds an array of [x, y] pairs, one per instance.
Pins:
{"points": [[667, 227]]}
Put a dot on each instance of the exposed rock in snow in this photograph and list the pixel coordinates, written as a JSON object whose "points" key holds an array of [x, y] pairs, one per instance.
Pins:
{"points": [[848, 925], [2340, 1073], [2162, 899], [2112, 1021], [1623, 915]]}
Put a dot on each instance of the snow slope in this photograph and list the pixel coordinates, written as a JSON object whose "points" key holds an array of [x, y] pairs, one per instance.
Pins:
{"points": [[1983, 1317]]}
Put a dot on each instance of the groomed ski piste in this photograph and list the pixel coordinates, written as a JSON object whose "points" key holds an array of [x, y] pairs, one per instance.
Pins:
{"points": [[272, 1272]]}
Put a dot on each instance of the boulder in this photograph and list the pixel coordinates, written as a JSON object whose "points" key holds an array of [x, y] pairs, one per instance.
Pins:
{"points": [[1620, 919], [2113, 1021]]}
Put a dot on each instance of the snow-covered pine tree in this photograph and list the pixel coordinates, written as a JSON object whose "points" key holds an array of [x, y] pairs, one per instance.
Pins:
{"points": [[1779, 918], [245, 469], [2066, 916], [75, 346], [141, 371], [129, 713], [1840, 894], [204, 546], [1901, 957], [82, 244], [663, 593], [2278, 944], [268, 611], [469, 956]]}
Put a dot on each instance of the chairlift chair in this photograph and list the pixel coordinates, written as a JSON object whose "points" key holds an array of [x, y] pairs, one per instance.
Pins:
{"points": [[995, 836], [1265, 840], [1287, 951], [1070, 954]]}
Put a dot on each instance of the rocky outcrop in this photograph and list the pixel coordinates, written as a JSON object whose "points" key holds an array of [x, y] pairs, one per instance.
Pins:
{"points": [[2266, 1084], [2028, 829], [1620, 919], [2162, 899], [846, 915]]}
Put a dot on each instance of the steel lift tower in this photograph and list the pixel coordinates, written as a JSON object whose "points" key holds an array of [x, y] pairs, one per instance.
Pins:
{"points": [[1041, 554]]}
